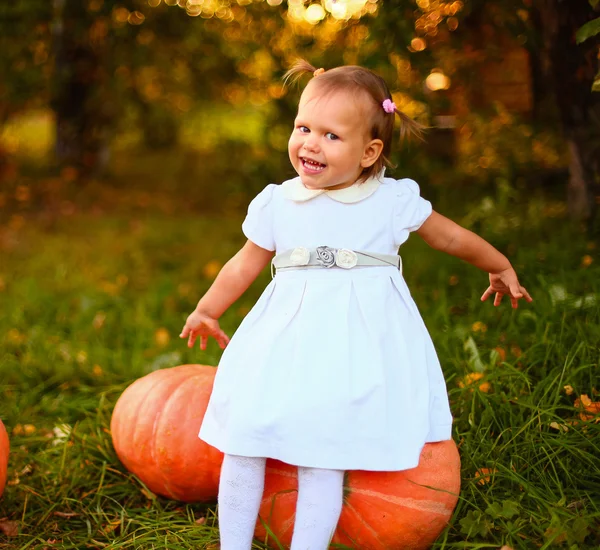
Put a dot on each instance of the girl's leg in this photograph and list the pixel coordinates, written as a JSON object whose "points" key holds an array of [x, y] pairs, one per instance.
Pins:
{"points": [[240, 491], [320, 494]]}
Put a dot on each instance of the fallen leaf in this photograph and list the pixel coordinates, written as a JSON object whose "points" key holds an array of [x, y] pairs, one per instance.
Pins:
{"points": [[471, 378], [576, 504], [560, 427], [588, 408], [9, 528], [61, 434], [555, 534], [112, 526], [501, 354], [485, 474], [65, 514], [478, 326], [585, 400]]}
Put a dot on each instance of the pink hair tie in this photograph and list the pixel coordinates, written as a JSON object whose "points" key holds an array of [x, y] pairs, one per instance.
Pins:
{"points": [[389, 106]]}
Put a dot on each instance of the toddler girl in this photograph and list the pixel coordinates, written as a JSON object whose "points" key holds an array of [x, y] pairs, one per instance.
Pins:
{"points": [[333, 369]]}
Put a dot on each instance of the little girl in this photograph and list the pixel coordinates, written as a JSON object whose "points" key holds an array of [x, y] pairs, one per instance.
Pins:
{"points": [[333, 369]]}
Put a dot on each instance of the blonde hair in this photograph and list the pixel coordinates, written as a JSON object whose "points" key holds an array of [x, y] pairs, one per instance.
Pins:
{"points": [[358, 79]]}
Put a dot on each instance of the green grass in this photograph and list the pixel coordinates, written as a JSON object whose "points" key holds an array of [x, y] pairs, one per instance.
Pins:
{"points": [[84, 294]]}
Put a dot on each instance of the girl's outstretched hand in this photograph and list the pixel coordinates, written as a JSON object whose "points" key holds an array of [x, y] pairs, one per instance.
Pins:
{"points": [[506, 282], [199, 324]]}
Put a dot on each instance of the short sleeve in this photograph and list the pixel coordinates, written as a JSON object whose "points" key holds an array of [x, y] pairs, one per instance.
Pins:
{"points": [[258, 225], [410, 209]]}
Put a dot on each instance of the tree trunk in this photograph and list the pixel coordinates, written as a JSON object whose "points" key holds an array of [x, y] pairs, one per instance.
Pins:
{"points": [[571, 70], [81, 96]]}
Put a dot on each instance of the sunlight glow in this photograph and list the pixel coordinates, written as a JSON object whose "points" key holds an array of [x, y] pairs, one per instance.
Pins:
{"points": [[312, 12]]}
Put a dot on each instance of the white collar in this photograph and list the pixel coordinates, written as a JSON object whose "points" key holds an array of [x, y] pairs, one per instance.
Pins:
{"points": [[294, 190]]}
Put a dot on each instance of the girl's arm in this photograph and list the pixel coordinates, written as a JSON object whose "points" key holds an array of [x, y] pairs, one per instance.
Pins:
{"points": [[443, 234], [231, 282]]}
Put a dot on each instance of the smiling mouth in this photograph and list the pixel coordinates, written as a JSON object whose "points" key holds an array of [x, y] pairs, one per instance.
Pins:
{"points": [[312, 165]]}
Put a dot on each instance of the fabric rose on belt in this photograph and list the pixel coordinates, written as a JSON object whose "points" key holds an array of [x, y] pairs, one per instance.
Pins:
{"points": [[325, 256], [300, 256], [346, 258]]}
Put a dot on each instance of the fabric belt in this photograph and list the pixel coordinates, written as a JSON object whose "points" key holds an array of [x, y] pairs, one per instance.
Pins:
{"points": [[328, 257]]}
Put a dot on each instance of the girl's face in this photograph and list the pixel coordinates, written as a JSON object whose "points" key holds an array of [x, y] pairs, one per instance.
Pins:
{"points": [[330, 143]]}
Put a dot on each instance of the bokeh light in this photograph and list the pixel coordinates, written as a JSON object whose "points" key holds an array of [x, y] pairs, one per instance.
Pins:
{"points": [[418, 44], [314, 13], [437, 80], [298, 11]]}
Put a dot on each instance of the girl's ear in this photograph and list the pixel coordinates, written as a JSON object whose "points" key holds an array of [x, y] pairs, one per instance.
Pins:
{"points": [[372, 151]]}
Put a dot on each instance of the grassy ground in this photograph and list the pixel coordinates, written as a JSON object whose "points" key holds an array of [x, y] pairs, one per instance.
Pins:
{"points": [[92, 300]]}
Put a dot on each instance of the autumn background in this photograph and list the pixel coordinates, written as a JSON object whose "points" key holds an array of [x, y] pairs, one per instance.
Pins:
{"points": [[134, 133]]}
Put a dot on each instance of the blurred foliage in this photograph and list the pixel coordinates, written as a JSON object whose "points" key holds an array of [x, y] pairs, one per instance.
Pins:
{"points": [[590, 29], [202, 79], [25, 43]]}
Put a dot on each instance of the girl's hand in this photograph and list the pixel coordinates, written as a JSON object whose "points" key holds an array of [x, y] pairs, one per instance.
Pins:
{"points": [[199, 324], [506, 282]]}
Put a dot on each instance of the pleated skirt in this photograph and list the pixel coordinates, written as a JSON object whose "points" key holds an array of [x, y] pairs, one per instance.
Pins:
{"points": [[331, 369]]}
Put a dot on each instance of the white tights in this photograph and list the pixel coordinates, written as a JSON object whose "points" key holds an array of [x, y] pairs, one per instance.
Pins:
{"points": [[318, 508]]}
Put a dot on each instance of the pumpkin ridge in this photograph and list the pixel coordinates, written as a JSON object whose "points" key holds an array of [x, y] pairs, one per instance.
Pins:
{"points": [[423, 506], [280, 472], [364, 522], [131, 436], [152, 438], [155, 431], [268, 499], [288, 523]]}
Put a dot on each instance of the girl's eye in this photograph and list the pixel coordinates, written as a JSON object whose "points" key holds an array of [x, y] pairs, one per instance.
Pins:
{"points": [[331, 136], [303, 129]]}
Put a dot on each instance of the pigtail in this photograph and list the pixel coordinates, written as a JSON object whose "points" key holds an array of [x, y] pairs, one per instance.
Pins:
{"points": [[409, 127], [300, 67]]}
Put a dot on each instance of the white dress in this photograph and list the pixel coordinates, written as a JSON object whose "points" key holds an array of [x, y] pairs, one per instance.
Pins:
{"points": [[332, 368]]}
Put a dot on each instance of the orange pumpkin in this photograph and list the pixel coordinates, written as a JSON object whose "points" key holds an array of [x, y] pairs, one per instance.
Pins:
{"points": [[155, 427], [155, 433], [382, 510], [4, 448]]}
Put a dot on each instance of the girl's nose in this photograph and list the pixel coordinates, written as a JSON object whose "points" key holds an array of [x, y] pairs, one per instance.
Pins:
{"points": [[310, 144]]}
